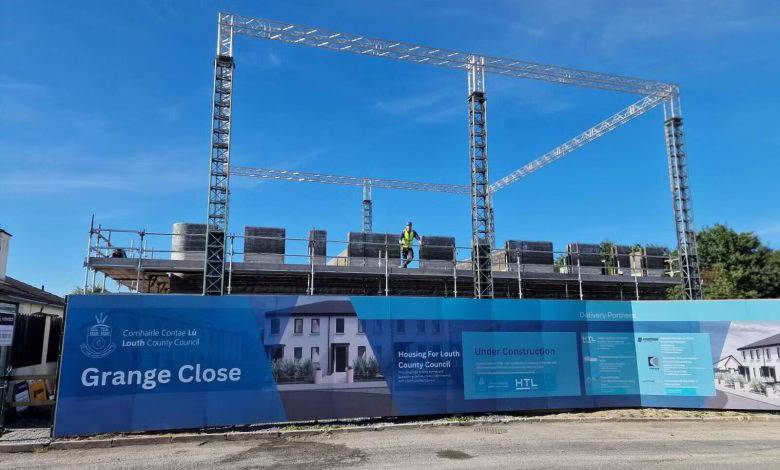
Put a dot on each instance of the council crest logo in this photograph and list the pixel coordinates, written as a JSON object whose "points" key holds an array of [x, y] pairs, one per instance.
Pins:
{"points": [[99, 344]]}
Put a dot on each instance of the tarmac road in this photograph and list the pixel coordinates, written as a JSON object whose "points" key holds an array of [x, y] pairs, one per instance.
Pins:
{"points": [[731, 401], [692, 444]]}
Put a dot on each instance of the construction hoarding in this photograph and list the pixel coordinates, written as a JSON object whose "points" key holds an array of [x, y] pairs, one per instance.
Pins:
{"points": [[154, 362]]}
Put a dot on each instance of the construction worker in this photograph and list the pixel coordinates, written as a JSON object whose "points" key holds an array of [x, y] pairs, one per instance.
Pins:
{"points": [[407, 245]]}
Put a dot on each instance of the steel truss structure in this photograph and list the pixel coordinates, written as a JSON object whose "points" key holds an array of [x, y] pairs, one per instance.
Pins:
{"points": [[367, 215], [367, 205], [219, 176], [302, 176], [681, 200], [476, 65], [482, 234]]}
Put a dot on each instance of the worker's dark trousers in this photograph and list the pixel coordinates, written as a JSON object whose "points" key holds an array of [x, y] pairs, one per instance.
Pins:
{"points": [[408, 256]]}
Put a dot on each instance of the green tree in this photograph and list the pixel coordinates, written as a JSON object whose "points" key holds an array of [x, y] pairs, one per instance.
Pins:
{"points": [[737, 265]]}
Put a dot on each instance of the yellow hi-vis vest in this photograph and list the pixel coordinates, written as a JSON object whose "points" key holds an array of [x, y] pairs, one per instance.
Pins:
{"points": [[408, 238]]}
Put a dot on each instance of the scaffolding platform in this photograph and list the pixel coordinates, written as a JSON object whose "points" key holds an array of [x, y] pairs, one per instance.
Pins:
{"points": [[186, 276]]}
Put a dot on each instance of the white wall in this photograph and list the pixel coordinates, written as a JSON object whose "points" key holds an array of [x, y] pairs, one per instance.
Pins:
{"points": [[5, 240], [323, 340]]}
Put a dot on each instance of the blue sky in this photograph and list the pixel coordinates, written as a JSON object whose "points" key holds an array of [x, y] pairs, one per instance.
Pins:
{"points": [[105, 109]]}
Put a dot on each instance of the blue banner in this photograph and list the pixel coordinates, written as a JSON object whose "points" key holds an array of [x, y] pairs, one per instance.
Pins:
{"points": [[154, 362]]}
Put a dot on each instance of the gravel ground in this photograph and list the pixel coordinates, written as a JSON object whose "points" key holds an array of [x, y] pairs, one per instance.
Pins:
{"points": [[574, 444], [41, 434]]}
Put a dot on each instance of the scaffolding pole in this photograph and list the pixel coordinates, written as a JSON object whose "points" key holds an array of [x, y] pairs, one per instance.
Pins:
{"points": [[138, 265], [230, 263], [519, 279], [636, 286], [89, 253], [311, 268], [454, 272]]}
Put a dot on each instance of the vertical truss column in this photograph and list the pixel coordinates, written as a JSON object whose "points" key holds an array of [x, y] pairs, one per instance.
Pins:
{"points": [[368, 208], [219, 163], [481, 204], [681, 198]]}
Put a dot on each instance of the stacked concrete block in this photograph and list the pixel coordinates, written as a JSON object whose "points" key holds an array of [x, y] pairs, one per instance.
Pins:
{"points": [[368, 249], [637, 262], [655, 260], [533, 256], [264, 245], [620, 260], [377, 244], [437, 252], [318, 246], [498, 260], [356, 250], [188, 241], [356, 246], [588, 255]]}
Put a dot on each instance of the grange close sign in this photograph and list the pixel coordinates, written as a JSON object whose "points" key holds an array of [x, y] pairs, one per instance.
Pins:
{"points": [[153, 362]]}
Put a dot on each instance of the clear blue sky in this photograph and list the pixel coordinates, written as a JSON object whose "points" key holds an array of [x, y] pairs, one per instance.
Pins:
{"points": [[105, 109]]}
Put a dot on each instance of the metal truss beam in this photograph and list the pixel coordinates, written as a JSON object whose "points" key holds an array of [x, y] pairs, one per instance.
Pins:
{"points": [[482, 232], [653, 92], [403, 51], [681, 199], [611, 123], [219, 162], [304, 177]]}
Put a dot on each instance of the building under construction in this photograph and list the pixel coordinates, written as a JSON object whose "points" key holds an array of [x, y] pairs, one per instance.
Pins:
{"points": [[264, 260], [210, 259]]}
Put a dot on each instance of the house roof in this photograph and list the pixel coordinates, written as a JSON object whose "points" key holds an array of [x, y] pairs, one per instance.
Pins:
{"points": [[773, 340], [13, 288], [726, 359]]}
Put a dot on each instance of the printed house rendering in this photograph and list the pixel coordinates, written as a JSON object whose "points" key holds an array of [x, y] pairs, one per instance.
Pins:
{"points": [[322, 361], [760, 360], [331, 343], [750, 370]]}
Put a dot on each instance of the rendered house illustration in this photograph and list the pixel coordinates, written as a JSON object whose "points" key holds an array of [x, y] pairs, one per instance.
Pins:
{"points": [[330, 334], [761, 359], [728, 365], [327, 332], [331, 340]]}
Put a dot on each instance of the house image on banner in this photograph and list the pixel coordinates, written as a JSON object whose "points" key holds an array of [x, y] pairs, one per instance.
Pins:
{"points": [[728, 365], [760, 360], [328, 334]]}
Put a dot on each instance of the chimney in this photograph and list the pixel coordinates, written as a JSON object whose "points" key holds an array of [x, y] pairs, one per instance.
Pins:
{"points": [[5, 239]]}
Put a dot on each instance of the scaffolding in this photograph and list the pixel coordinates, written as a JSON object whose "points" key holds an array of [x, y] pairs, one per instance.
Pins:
{"points": [[142, 261], [481, 189]]}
